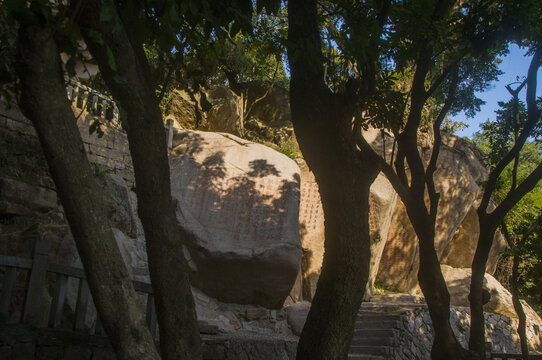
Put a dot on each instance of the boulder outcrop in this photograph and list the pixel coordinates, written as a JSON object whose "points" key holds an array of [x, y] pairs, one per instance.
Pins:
{"points": [[459, 174], [460, 251], [239, 201], [259, 112], [458, 281]]}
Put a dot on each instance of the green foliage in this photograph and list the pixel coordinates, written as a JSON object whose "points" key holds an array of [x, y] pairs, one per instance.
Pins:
{"points": [[288, 150], [257, 57], [381, 289], [378, 45], [451, 126], [200, 57]]}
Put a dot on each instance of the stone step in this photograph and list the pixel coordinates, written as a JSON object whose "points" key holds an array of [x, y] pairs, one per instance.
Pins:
{"points": [[375, 333], [366, 357], [370, 350], [369, 323], [375, 341], [377, 316]]}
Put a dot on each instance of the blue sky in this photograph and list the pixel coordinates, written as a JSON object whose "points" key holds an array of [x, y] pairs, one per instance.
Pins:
{"points": [[514, 64]]}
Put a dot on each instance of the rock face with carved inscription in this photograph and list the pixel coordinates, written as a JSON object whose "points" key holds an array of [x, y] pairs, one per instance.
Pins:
{"points": [[311, 227], [311, 230], [240, 202]]}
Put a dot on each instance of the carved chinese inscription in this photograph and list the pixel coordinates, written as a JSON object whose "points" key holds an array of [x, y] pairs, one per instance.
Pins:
{"points": [[246, 208], [310, 206]]}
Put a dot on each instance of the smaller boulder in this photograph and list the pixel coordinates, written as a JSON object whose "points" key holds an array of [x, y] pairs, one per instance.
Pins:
{"points": [[458, 281], [297, 315]]}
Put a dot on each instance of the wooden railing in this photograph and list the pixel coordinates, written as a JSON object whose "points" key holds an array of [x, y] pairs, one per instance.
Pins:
{"points": [[37, 269], [102, 105], [97, 104], [499, 356]]}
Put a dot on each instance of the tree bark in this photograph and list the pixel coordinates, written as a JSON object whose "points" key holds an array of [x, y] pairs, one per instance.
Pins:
{"points": [[323, 126], [344, 189], [519, 309], [422, 216], [126, 72], [433, 285], [44, 102]]}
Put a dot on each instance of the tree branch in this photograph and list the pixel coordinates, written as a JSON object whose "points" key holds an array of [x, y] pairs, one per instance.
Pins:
{"points": [[452, 67], [515, 195], [269, 88], [368, 151], [431, 168], [533, 115]]}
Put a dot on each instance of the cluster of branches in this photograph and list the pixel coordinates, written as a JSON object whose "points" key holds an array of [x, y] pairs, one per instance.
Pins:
{"points": [[404, 66]]}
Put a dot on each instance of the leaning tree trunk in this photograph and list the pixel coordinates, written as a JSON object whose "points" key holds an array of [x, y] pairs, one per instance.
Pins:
{"points": [[423, 216], [445, 344], [485, 240], [44, 101], [522, 323], [323, 126], [127, 74]]}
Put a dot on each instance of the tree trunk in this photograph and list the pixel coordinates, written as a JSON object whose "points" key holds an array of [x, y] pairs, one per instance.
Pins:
{"points": [[519, 309], [44, 101], [323, 126], [432, 283], [129, 79], [345, 269], [485, 240]]}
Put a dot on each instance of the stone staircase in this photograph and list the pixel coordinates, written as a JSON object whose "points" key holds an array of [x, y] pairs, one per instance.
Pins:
{"points": [[375, 335]]}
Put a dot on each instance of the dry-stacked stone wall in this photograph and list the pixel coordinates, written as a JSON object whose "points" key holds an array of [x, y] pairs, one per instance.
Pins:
{"points": [[109, 151], [416, 336]]}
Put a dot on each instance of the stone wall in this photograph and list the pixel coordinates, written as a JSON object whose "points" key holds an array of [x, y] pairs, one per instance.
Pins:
{"points": [[20, 342], [109, 151], [415, 336]]}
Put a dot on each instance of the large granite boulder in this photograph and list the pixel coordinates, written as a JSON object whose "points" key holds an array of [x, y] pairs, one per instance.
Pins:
{"points": [[458, 177], [183, 109], [460, 251], [239, 201], [458, 282], [382, 201], [460, 170], [399, 261]]}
